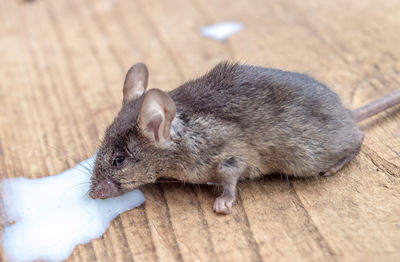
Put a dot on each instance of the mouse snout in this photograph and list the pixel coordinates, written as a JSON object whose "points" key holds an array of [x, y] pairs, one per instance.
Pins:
{"points": [[103, 189]]}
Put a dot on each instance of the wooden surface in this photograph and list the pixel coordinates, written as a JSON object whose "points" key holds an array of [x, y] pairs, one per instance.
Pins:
{"points": [[62, 65]]}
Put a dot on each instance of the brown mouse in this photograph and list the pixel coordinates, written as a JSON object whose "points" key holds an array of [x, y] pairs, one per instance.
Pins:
{"points": [[235, 122]]}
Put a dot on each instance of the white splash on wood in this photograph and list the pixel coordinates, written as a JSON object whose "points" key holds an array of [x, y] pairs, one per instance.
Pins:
{"points": [[45, 218], [221, 31]]}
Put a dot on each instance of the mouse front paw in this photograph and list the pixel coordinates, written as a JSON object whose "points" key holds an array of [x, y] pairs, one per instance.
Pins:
{"points": [[223, 205]]}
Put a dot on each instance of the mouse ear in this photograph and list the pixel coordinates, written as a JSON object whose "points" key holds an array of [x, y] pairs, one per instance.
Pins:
{"points": [[156, 114], [135, 82]]}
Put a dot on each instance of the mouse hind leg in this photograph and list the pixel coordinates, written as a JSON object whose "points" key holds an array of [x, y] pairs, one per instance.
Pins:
{"points": [[229, 171], [344, 160], [339, 165], [223, 204]]}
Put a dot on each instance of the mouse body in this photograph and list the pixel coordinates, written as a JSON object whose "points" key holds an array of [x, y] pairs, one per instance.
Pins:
{"points": [[235, 122]]}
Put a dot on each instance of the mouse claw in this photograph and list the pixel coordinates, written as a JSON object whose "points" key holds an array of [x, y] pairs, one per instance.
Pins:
{"points": [[326, 174], [223, 205]]}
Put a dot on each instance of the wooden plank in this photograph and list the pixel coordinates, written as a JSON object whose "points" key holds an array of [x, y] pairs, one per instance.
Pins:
{"points": [[61, 73]]}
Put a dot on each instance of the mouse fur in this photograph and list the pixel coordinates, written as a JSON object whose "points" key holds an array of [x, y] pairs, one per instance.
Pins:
{"points": [[235, 122]]}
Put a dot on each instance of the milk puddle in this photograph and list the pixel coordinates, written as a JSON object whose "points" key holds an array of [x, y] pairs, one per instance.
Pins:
{"points": [[221, 31], [45, 218]]}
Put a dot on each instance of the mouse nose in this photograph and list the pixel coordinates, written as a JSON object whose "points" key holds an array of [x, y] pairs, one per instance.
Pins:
{"points": [[103, 189]]}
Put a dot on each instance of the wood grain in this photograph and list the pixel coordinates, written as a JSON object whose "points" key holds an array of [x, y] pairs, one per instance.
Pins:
{"points": [[61, 72]]}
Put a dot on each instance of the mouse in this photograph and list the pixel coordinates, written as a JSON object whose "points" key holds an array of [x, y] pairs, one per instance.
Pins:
{"points": [[235, 122]]}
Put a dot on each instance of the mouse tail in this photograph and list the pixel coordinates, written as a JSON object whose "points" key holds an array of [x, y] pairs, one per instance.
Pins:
{"points": [[377, 106]]}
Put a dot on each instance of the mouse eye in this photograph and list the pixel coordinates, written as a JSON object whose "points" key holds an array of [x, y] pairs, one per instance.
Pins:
{"points": [[117, 161]]}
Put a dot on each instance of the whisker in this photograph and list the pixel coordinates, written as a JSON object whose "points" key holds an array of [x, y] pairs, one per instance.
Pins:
{"points": [[87, 171], [73, 159], [288, 181], [86, 194], [77, 186]]}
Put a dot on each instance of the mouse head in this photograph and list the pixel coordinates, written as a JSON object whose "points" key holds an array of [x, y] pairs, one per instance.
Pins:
{"points": [[137, 145]]}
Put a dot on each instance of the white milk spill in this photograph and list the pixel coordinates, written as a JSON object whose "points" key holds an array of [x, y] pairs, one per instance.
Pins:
{"points": [[221, 31], [45, 218]]}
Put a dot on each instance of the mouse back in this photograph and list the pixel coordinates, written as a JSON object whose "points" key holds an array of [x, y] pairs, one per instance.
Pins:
{"points": [[297, 124]]}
